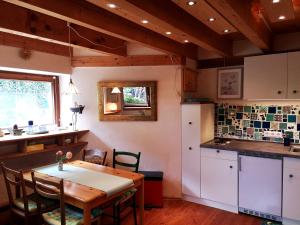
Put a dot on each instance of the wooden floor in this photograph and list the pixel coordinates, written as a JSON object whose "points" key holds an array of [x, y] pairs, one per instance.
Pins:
{"points": [[178, 212]]}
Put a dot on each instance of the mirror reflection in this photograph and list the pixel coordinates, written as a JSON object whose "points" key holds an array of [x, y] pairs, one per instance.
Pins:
{"points": [[127, 100]]}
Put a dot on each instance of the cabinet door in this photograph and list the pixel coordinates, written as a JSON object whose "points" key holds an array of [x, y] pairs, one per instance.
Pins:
{"points": [[265, 77], [219, 180], [294, 75], [291, 191], [189, 80], [191, 150]]}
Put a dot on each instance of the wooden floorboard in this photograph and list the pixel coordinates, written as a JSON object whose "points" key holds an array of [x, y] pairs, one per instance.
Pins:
{"points": [[178, 212]]}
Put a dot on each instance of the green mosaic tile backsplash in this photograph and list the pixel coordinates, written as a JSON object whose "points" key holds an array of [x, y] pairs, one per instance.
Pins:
{"points": [[251, 122]]}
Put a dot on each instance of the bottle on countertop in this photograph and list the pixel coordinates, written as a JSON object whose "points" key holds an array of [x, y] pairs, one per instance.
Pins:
{"points": [[30, 127]]}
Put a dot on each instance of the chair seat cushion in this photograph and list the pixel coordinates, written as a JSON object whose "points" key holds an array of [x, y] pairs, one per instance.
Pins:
{"points": [[32, 205], [74, 216], [94, 159], [125, 196]]}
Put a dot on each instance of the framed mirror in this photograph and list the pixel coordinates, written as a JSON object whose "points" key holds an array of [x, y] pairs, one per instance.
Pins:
{"points": [[127, 100]]}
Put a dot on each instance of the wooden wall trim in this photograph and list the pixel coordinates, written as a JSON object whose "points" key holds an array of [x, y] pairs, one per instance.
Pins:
{"points": [[138, 60], [221, 62]]}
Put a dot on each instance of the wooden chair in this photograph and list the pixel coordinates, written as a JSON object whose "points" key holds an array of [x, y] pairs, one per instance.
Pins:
{"points": [[22, 205], [94, 156], [128, 196], [64, 215]]}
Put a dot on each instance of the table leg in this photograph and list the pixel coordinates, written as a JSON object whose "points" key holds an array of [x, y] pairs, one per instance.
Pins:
{"points": [[87, 216], [141, 202]]}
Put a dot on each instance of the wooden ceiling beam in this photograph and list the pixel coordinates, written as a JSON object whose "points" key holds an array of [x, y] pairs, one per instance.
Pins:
{"points": [[138, 60], [83, 13], [33, 44], [170, 13], [24, 22], [241, 16]]}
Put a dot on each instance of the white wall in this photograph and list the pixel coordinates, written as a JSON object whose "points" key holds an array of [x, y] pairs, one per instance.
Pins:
{"points": [[159, 142]]}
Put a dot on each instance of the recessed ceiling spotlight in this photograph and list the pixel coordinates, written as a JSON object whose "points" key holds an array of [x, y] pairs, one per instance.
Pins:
{"points": [[186, 41], [276, 1], [191, 3], [211, 19], [226, 30], [144, 21], [281, 17], [111, 5], [168, 33]]}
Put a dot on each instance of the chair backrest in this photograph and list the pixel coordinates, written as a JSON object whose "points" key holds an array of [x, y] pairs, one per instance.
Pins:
{"points": [[134, 166], [50, 189], [15, 179], [94, 156]]}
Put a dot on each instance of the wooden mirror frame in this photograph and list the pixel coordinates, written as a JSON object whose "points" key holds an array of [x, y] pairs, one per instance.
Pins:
{"points": [[112, 84]]}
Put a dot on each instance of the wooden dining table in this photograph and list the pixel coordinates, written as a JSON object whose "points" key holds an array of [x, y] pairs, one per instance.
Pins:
{"points": [[87, 198]]}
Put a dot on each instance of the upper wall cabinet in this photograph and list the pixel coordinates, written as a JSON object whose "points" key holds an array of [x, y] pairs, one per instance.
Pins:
{"points": [[272, 76], [189, 80], [265, 77], [294, 75]]}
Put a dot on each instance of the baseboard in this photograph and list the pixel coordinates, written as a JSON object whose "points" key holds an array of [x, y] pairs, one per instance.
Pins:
{"points": [[229, 208], [286, 221]]}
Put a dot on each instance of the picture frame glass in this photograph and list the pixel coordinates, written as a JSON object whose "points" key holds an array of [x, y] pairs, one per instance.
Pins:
{"points": [[230, 83]]}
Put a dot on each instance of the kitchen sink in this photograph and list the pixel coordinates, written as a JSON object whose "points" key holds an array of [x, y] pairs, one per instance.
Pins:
{"points": [[220, 141], [295, 149]]}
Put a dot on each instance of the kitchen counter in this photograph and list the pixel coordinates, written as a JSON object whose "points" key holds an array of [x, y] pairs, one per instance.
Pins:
{"points": [[244, 146]]}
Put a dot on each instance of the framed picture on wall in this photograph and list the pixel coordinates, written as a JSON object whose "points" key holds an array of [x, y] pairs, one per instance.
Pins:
{"points": [[230, 83]]}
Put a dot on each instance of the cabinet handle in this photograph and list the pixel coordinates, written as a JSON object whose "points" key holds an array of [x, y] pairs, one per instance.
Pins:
{"points": [[218, 151], [279, 92], [240, 164], [295, 91], [190, 123], [190, 148], [230, 167], [291, 175]]}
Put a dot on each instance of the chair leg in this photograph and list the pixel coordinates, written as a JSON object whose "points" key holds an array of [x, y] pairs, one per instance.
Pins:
{"points": [[119, 214], [134, 209]]}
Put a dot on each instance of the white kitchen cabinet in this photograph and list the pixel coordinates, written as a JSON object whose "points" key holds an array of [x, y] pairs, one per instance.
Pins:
{"points": [[219, 176], [265, 77], [197, 127], [291, 189], [293, 75]]}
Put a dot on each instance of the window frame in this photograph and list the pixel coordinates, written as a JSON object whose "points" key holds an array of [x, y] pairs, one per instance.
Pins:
{"points": [[54, 80]]}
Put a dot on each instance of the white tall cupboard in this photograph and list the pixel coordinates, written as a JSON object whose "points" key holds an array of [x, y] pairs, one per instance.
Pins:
{"points": [[291, 191], [197, 127]]}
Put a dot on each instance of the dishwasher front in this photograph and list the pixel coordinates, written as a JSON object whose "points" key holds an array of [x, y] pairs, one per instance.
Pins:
{"points": [[260, 185]]}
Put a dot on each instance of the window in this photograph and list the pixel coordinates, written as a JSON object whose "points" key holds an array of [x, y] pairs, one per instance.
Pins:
{"points": [[136, 96], [25, 97]]}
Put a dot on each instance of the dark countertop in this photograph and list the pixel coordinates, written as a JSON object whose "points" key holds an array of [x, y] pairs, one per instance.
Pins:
{"points": [[253, 147]]}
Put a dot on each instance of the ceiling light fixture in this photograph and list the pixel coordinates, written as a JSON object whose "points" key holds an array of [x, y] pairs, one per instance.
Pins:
{"points": [[111, 5], [226, 30], [72, 89], [116, 90], [191, 3], [168, 33], [144, 21], [186, 41], [211, 19], [281, 17], [276, 1]]}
